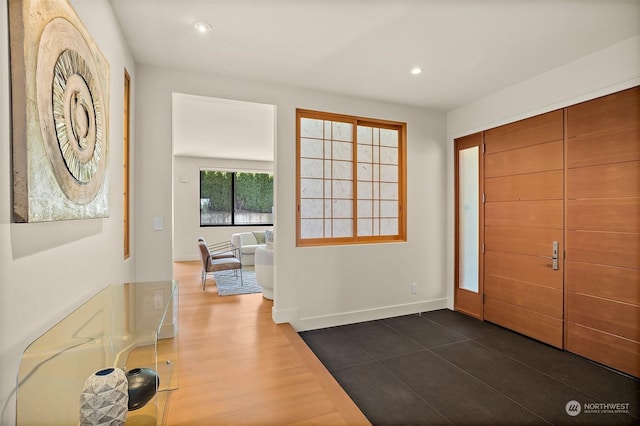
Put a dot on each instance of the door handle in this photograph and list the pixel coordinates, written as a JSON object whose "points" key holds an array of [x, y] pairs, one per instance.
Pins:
{"points": [[554, 256]]}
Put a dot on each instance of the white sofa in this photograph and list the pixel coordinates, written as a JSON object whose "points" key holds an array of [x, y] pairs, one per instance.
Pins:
{"points": [[247, 242]]}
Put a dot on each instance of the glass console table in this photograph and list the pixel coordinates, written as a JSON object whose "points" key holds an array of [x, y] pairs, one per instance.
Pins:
{"points": [[126, 326]]}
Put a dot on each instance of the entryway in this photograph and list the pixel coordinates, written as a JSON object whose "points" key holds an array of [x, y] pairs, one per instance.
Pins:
{"points": [[550, 244]]}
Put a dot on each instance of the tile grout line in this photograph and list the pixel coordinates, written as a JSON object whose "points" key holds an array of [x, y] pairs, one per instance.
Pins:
{"points": [[465, 339], [531, 367], [477, 379], [415, 392]]}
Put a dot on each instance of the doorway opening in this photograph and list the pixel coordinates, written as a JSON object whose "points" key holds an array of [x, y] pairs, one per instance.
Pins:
{"points": [[230, 138]]}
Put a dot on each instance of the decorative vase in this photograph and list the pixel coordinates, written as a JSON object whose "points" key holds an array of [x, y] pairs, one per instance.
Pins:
{"points": [[104, 398], [143, 384]]}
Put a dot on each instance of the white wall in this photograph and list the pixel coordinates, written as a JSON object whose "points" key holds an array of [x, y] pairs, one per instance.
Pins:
{"points": [[318, 286], [606, 71], [47, 269], [186, 205]]}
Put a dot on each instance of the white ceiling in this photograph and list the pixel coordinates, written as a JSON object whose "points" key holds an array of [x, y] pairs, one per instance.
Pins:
{"points": [[222, 128], [366, 48]]}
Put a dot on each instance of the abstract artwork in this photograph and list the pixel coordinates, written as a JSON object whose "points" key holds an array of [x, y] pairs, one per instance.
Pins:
{"points": [[60, 113]]}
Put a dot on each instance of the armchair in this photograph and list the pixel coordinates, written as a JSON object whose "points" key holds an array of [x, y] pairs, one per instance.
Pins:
{"points": [[220, 250], [212, 262]]}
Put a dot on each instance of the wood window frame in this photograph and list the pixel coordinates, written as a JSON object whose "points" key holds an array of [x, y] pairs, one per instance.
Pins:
{"points": [[401, 127]]}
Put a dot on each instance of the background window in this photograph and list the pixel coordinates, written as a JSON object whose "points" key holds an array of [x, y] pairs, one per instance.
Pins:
{"points": [[350, 175], [235, 198]]}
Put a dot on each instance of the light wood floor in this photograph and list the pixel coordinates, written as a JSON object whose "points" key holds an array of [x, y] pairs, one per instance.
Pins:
{"points": [[237, 367]]}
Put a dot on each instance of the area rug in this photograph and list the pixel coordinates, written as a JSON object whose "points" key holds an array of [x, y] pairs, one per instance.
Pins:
{"points": [[229, 285]]}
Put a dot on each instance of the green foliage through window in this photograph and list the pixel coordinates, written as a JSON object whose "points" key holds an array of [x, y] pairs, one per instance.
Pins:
{"points": [[235, 198]]}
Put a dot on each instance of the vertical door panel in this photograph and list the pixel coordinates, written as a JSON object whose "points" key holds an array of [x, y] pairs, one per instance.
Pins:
{"points": [[524, 215], [603, 230]]}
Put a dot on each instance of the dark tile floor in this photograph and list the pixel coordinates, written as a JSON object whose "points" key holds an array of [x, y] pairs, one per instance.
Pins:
{"points": [[443, 367]]}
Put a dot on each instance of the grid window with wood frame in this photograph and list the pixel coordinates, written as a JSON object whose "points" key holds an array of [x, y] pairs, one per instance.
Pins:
{"points": [[350, 179]]}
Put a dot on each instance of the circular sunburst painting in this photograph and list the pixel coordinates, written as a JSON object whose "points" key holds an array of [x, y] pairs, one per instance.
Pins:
{"points": [[71, 109]]}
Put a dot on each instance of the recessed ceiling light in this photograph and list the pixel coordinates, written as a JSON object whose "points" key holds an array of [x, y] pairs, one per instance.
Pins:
{"points": [[202, 27], [416, 70]]}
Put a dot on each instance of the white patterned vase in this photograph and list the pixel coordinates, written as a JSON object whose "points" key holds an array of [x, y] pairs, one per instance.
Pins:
{"points": [[104, 398]]}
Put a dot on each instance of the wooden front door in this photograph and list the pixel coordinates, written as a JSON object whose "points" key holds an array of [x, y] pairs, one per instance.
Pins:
{"points": [[523, 227], [568, 177]]}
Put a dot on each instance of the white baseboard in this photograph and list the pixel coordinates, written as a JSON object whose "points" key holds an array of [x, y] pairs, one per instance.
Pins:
{"points": [[185, 258], [286, 315], [167, 331], [312, 323]]}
